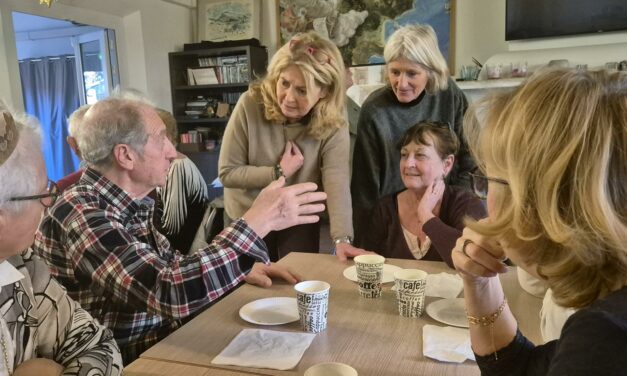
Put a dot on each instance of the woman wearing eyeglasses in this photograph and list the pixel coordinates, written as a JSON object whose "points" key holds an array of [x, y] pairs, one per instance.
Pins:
{"points": [[42, 330], [555, 155], [290, 125], [419, 88], [424, 220]]}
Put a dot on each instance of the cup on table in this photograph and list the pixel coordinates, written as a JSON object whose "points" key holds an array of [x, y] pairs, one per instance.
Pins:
{"points": [[313, 305], [331, 369], [369, 275], [410, 291]]}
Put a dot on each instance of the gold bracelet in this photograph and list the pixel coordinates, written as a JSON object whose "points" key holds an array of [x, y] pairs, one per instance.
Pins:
{"points": [[489, 319]]}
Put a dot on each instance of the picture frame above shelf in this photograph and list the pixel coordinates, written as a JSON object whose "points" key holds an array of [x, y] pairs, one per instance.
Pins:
{"points": [[222, 20]]}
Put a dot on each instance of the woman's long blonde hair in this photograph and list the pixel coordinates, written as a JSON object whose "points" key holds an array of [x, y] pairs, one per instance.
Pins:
{"points": [[321, 64], [560, 140]]}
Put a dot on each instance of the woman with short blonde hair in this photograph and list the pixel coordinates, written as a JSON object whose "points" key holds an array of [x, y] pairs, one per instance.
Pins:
{"points": [[291, 123], [555, 155], [419, 45], [418, 88]]}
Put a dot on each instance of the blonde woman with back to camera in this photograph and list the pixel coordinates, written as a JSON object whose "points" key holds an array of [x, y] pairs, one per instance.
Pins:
{"points": [[554, 153], [290, 124]]}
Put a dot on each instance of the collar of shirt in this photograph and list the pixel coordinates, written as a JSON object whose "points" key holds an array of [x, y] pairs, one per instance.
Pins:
{"points": [[9, 274], [115, 195]]}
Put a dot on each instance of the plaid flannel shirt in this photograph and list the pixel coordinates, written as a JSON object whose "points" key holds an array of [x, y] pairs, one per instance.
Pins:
{"points": [[103, 247]]}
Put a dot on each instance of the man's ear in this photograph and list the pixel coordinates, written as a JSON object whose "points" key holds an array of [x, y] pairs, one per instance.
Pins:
{"points": [[73, 145], [124, 156]]}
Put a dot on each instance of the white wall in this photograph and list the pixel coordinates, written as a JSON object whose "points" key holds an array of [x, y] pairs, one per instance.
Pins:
{"points": [[164, 28], [481, 33]]}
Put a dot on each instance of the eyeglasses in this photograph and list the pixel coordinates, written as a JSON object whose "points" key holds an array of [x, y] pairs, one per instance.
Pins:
{"points": [[479, 184], [320, 56], [47, 199]]}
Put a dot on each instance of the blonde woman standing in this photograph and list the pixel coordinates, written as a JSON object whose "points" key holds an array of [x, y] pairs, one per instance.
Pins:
{"points": [[554, 154], [291, 123]]}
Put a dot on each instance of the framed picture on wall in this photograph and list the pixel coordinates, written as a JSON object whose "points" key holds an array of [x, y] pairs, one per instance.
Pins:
{"points": [[220, 20], [360, 28]]}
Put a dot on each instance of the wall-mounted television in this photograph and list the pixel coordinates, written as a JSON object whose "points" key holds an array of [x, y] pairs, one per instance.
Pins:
{"points": [[527, 19]]}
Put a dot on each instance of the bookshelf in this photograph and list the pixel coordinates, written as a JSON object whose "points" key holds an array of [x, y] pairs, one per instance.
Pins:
{"points": [[215, 76]]}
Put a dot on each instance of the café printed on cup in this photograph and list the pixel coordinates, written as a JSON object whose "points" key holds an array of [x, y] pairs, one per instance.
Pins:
{"points": [[312, 298], [410, 291]]}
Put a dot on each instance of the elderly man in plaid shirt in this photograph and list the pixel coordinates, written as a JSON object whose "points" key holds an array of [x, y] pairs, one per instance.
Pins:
{"points": [[101, 243]]}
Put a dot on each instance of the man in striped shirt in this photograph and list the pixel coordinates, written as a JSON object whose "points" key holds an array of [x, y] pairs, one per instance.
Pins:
{"points": [[101, 243]]}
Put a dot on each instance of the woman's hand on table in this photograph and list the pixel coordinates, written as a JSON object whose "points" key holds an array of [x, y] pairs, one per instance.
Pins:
{"points": [[262, 274], [433, 194], [343, 251], [292, 159], [477, 257]]}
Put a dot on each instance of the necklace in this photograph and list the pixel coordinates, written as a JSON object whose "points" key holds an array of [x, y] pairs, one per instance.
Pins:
{"points": [[5, 352]]}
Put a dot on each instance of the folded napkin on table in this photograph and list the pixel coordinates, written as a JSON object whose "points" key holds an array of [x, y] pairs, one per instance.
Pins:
{"points": [[444, 285], [261, 348], [446, 343]]}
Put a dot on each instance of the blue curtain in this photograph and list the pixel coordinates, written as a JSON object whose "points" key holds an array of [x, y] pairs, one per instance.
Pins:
{"points": [[50, 93]]}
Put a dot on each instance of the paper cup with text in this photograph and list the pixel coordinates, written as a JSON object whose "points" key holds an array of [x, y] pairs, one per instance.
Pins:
{"points": [[369, 275], [331, 369], [410, 291], [313, 305]]}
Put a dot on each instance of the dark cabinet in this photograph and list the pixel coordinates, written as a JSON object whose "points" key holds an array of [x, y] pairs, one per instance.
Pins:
{"points": [[214, 75]]}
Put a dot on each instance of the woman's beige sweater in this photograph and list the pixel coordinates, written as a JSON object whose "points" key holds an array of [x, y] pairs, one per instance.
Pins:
{"points": [[252, 146]]}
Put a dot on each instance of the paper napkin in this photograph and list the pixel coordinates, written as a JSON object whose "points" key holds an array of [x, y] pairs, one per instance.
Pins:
{"points": [[446, 343], [444, 285], [260, 348]]}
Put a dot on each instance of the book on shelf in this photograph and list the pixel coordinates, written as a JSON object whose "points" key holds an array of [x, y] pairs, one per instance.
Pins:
{"points": [[205, 76]]}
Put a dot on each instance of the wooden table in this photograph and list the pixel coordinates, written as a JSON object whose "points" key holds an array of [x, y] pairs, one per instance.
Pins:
{"points": [[368, 334]]}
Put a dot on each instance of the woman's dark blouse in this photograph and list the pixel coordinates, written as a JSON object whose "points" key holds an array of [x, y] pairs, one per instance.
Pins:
{"points": [[593, 342], [385, 235]]}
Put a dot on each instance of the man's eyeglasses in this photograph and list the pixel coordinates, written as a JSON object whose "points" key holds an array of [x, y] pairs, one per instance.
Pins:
{"points": [[47, 199], [479, 184]]}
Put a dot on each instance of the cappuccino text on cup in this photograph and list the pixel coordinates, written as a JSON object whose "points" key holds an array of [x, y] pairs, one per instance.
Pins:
{"points": [[369, 275]]}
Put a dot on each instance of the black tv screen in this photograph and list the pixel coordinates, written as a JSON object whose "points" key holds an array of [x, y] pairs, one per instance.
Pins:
{"points": [[526, 19]]}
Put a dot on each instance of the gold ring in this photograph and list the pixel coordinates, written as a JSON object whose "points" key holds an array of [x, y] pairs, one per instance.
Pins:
{"points": [[466, 242]]}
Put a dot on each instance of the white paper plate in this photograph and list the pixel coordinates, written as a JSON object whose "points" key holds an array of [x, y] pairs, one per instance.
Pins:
{"points": [[270, 311], [449, 311], [388, 273]]}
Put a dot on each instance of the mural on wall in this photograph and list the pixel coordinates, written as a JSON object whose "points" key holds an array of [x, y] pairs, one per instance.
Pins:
{"points": [[361, 27], [228, 20]]}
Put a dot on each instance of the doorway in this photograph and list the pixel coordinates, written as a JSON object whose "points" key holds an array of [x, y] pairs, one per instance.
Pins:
{"points": [[63, 65]]}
